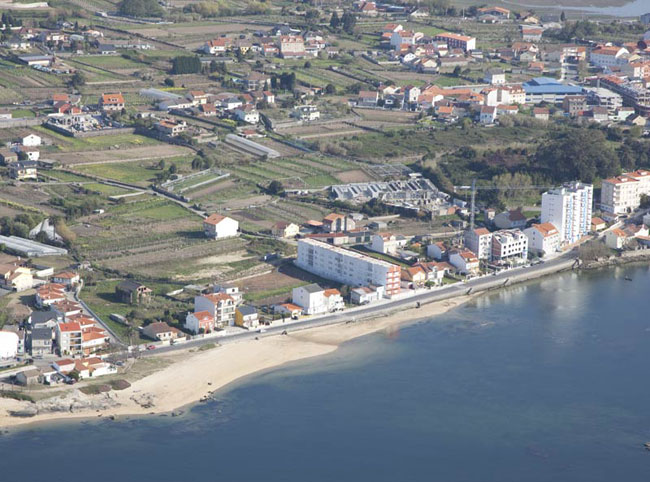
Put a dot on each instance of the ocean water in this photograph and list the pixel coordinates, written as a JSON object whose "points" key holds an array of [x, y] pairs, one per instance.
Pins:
{"points": [[543, 381]]}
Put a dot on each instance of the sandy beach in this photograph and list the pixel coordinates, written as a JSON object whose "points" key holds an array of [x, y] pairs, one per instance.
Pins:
{"points": [[193, 375]]}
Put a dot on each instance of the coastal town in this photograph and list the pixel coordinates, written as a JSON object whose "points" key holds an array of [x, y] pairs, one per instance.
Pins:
{"points": [[175, 177]]}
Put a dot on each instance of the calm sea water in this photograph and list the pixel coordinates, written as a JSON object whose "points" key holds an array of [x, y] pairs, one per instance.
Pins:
{"points": [[633, 8], [540, 382]]}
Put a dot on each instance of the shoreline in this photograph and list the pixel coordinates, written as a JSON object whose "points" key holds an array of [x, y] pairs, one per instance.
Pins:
{"points": [[196, 377]]}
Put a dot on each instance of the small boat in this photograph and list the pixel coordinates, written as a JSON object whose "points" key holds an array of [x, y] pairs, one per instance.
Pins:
{"points": [[627, 278]]}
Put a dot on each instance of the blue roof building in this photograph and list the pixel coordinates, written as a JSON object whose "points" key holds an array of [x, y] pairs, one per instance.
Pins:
{"points": [[548, 89]]}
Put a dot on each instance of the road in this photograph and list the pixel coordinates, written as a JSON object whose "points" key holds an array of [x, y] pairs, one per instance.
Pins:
{"points": [[351, 315]]}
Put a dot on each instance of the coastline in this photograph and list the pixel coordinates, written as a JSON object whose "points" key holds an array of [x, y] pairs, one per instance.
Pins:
{"points": [[200, 373], [193, 375]]}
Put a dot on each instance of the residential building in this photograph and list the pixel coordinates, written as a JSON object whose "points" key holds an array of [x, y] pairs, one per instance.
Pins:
{"points": [[22, 170], [216, 46], [248, 114], [246, 316], [292, 47], [457, 41], [68, 279], [31, 140], [598, 224], [41, 342], [306, 112], [345, 266], [413, 277], [221, 306], [494, 76], [569, 209], [498, 12], [217, 226], [509, 246], [132, 292], [511, 219], [170, 127], [69, 339], [543, 239], [111, 102], [464, 261], [161, 331], [230, 290], [49, 294], [283, 229], [294, 311], [622, 194], [574, 104], [609, 56], [479, 241], [200, 322], [7, 156], [488, 114], [90, 367], [257, 81], [15, 277], [387, 243], [368, 98], [616, 238], [337, 223], [437, 251], [311, 298], [29, 377], [366, 294], [541, 113]]}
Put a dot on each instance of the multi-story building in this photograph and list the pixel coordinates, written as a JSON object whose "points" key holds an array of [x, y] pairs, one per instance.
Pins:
{"points": [[387, 243], [574, 104], [220, 305], [479, 241], [217, 226], [509, 246], [606, 56], [345, 266], [569, 209], [622, 194], [315, 300], [112, 102], [543, 239], [457, 41], [69, 339], [292, 47]]}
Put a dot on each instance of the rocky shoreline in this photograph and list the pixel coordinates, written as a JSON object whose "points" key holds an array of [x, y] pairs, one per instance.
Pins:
{"points": [[627, 257]]}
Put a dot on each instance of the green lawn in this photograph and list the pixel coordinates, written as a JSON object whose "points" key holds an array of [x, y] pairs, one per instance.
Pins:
{"points": [[68, 144], [19, 113]]}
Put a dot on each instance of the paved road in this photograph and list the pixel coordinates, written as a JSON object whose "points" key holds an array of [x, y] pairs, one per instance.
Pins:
{"points": [[451, 291]]}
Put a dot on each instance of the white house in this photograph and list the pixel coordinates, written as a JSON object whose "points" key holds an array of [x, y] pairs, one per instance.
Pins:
{"points": [[387, 243], [31, 140], [488, 114], [315, 300], [495, 76], [217, 226], [366, 294], [248, 114], [464, 261], [543, 239]]}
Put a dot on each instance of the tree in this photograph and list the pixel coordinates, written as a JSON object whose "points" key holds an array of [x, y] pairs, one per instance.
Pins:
{"points": [[349, 21], [78, 79], [275, 188], [185, 64], [335, 21], [330, 89], [169, 82], [161, 164], [140, 8], [578, 154], [457, 71], [645, 201], [563, 17]]}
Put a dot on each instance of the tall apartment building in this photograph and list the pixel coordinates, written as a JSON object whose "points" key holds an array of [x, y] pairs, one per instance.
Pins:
{"points": [[569, 209], [69, 339], [479, 241], [345, 266], [622, 194]]}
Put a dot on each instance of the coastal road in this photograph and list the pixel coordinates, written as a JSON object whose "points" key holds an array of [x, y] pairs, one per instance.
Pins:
{"points": [[476, 285]]}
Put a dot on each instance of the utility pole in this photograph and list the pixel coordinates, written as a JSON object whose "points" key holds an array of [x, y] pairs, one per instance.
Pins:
{"points": [[473, 205]]}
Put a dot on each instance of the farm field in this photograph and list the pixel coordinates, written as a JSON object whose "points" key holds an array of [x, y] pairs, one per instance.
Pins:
{"points": [[71, 144], [262, 216], [143, 153], [139, 172]]}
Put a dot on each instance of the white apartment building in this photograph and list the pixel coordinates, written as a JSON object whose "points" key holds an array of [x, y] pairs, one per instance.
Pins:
{"points": [[543, 239], [464, 261], [345, 266], [605, 56], [479, 241], [569, 209], [509, 246], [622, 194], [220, 305]]}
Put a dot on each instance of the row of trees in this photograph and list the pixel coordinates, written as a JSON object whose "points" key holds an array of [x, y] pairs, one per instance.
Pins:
{"points": [[140, 8]]}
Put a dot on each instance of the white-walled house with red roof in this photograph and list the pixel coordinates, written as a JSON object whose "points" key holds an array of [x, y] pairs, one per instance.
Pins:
{"points": [[217, 226]]}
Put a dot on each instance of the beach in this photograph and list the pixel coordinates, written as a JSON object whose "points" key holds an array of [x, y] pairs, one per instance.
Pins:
{"points": [[193, 375]]}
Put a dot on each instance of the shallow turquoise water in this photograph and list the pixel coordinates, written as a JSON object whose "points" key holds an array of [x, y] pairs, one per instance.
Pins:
{"points": [[543, 381]]}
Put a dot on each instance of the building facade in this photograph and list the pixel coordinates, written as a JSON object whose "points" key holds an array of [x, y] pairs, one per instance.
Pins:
{"points": [[345, 266], [622, 194], [569, 209]]}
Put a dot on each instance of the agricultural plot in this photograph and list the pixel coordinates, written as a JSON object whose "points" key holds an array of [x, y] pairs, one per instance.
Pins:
{"points": [[71, 144], [264, 216], [141, 173]]}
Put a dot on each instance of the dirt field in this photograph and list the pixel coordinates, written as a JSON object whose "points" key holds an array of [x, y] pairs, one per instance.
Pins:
{"points": [[386, 115], [121, 155], [356, 175], [28, 195]]}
